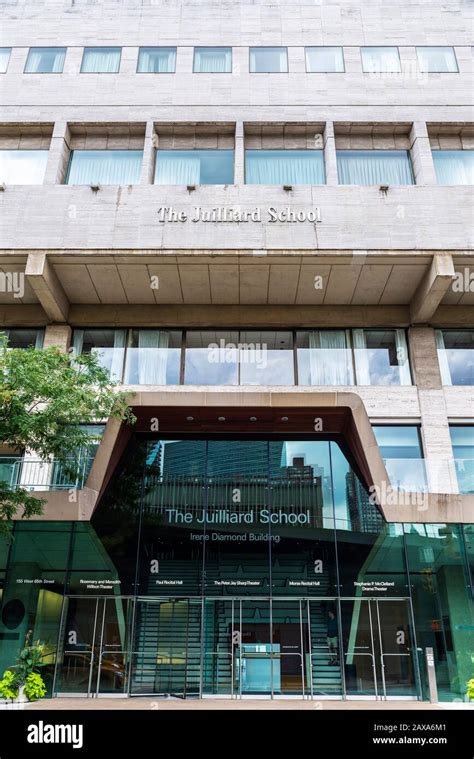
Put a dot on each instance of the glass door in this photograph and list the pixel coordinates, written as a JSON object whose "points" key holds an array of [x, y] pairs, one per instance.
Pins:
{"points": [[77, 664], [378, 649], [257, 661]]}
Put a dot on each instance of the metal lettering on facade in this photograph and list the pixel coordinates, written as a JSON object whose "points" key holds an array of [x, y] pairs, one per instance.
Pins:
{"points": [[235, 215]]}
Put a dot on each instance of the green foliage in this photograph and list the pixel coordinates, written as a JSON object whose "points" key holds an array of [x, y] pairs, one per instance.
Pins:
{"points": [[470, 689], [8, 685], [29, 659], [44, 396], [34, 687]]}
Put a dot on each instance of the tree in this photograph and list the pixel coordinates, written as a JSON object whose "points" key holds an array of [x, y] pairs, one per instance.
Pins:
{"points": [[45, 395]]}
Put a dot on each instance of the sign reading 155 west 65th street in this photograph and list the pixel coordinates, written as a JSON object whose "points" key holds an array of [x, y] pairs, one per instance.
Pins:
{"points": [[229, 214]]}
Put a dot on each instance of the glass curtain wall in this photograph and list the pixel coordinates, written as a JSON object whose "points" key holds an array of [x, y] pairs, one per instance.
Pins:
{"points": [[239, 567]]}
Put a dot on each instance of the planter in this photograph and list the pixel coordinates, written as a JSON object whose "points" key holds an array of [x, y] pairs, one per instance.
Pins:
{"points": [[21, 698]]}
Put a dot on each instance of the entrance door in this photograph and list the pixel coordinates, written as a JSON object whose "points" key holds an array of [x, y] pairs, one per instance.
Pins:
{"points": [[94, 651], [378, 649]]}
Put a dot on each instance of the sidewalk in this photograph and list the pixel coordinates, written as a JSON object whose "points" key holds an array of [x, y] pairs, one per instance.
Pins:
{"points": [[170, 704]]}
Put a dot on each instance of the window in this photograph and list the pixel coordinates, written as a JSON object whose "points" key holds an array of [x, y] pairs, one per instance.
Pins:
{"points": [[324, 357], [437, 59], [45, 60], [239, 358], [157, 60], [101, 60], [454, 166], [380, 59], [321, 60], [23, 166], [212, 60], [456, 356], [104, 167], [400, 448], [107, 344], [24, 338], [268, 60], [153, 357], [381, 357], [193, 167], [5, 53], [367, 167], [462, 440], [284, 167]]}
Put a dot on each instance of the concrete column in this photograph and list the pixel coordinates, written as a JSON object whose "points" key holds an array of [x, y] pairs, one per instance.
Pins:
{"points": [[421, 157], [149, 145], [239, 158], [330, 162], [58, 155], [434, 418], [58, 335]]}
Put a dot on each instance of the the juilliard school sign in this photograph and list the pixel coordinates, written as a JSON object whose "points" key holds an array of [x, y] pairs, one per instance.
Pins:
{"points": [[236, 215]]}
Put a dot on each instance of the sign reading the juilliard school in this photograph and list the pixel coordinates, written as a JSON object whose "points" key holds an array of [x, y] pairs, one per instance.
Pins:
{"points": [[236, 215]]}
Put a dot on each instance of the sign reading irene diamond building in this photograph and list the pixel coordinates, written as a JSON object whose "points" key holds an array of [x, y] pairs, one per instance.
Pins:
{"points": [[224, 214]]}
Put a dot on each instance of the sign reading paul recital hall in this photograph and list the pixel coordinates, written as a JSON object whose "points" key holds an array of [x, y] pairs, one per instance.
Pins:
{"points": [[229, 214]]}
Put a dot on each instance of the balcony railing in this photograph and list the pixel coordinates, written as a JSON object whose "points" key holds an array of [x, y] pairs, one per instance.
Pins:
{"points": [[36, 474]]}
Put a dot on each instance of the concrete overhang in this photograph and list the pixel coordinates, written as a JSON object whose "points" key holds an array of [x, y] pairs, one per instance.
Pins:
{"points": [[344, 418], [62, 281]]}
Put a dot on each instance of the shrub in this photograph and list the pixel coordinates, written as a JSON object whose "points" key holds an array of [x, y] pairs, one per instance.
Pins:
{"points": [[8, 685], [34, 687]]}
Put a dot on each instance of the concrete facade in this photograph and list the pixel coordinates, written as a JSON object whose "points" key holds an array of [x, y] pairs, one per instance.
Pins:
{"points": [[387, 258]]}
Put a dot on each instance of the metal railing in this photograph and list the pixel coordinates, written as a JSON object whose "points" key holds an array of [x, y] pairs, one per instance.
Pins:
{"points": [[37, 474]]}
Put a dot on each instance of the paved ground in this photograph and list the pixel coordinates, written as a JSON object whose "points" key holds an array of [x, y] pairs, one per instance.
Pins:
{"points": [[253, 704]]}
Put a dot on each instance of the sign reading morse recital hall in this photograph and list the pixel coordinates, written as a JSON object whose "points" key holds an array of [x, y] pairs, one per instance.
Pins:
{"points": [[237, 215]]}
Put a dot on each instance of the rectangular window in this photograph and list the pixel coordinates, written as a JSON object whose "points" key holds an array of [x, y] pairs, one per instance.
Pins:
{"points": [[284, 167], [462, 440], [105, 167], [324, 60], [194, 167], [374, 167], [454, 166], [23, 166], [456, 356], [153, 357], [45, 60], [5, 53], [157, 60], [400, 448], [107, 344], [101, 60], [324, 357], [381, 357], [239, 358], [439, 60], [380, 59], [24, 338], [268, 60], [212, 60]]}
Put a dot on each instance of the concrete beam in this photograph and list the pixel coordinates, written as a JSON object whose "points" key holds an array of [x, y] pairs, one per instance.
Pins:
{"points": [[432, 289], [42, 278]]}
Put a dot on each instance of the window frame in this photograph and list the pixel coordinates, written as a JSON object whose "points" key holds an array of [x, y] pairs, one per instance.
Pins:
{"points": [[7, 47], [101, 47], [44, 47], [213, 47], [436, 47], [156, 47], [324, 47], [269, 47], [379, 47]]}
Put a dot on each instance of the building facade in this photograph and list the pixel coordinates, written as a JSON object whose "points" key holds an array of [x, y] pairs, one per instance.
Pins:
{"points": [[259, 216]]}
